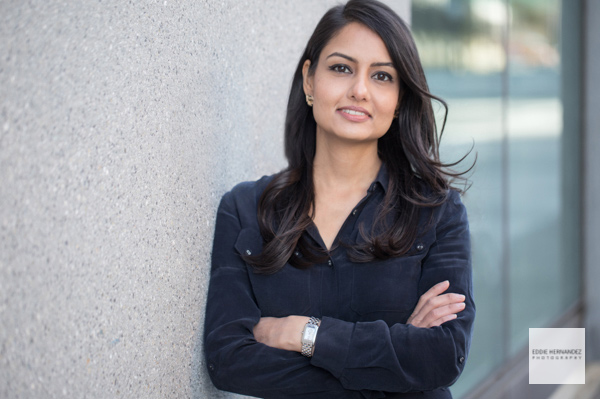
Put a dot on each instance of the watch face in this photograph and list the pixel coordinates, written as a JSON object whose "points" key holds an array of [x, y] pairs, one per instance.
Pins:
{"points": [[310, 332]]}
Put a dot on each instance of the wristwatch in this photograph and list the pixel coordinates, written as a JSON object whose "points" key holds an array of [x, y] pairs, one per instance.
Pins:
{"points": [[309, 334]]}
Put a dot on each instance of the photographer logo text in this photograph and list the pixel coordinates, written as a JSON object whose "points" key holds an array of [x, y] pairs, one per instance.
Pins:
{"points": [[557, 356]]}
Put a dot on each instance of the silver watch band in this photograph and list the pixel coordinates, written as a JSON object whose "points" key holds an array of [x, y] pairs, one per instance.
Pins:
{"points": [[309, 335]]}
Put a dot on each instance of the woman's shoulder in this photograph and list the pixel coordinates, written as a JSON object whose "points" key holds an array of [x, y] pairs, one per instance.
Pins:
{"points": [[449, 205], [242, 200], [248, 190], [451, 210], [445, 197]]}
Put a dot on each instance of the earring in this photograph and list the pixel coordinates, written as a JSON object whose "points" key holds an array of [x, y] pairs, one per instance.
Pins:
{"points": [[310, 100], [397, 112]]}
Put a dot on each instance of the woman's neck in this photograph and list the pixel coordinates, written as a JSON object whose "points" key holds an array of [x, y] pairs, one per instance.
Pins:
{"points": [[345, 166]]}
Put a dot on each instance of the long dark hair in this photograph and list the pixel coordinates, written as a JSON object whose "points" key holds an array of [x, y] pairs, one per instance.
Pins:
{"points": [[409, 150]]}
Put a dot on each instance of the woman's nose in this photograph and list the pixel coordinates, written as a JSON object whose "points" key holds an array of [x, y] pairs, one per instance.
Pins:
{"points": [[359, 90]]}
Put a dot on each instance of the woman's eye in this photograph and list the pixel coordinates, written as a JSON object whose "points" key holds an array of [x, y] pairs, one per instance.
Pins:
{"points": [[340, 68], [383, 76]]}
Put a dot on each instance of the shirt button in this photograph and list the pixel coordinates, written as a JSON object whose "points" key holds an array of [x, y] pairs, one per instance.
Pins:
{"points": [[420, 247], [329, 262], [461, 359], [248, 252]]}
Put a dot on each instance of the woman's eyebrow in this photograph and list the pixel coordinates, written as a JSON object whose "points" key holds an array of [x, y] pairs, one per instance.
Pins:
{"points": [[375, 64], [343, 56]]}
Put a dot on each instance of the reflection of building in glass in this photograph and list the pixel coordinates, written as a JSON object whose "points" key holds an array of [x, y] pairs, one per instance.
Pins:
{"points": [[510, 72], [467, 35]]}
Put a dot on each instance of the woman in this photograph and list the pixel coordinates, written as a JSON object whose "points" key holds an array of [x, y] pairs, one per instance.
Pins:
{"points": [[346, 275]]}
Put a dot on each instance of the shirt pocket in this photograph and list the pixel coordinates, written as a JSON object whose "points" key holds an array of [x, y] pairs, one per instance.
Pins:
{"points": [[284, 293], [388, 290]]}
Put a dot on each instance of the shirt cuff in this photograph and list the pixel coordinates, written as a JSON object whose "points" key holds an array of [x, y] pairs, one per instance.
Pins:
{"points": [[332, 345]]}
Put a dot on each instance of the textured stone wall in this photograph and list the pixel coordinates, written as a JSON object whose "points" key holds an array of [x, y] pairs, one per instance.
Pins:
{"points": [[121, 125]]}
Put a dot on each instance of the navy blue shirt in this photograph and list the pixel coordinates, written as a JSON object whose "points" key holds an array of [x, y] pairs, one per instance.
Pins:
{"points": [[364, 348]]}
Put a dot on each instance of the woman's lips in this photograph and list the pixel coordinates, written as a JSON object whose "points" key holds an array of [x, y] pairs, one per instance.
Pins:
{"points": [[354, 114]]}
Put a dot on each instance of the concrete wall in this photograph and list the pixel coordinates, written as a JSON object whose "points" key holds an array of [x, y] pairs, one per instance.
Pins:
{"points": [[121, 125]]}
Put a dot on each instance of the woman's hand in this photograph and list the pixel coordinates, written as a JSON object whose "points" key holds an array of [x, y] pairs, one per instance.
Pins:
{"points": [[281, 332], [434, 309]]}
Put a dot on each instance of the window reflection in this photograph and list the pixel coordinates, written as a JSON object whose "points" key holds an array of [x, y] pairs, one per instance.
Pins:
{"points": [[534, 130], [498, 65]]}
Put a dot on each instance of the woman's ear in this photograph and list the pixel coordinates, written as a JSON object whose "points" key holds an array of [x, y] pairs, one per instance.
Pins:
{"points": [[307, 78]]}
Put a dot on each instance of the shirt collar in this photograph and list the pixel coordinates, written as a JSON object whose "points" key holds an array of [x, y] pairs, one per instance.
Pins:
{"points": [[382, 179]]}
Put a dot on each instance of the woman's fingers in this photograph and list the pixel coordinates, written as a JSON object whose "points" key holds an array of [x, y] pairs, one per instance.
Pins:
{"points": [[436, 316], [431, 293], [435, 308], [442, 314], [442, 320], [430, 317], [441, 300]]}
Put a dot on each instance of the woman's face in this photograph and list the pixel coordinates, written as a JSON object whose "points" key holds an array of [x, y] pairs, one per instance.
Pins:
{"points": [[355, 86]]}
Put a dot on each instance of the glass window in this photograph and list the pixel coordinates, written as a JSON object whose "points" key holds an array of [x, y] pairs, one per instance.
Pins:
{"points": [[461, 47], [534, 131], [498, 65]]}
